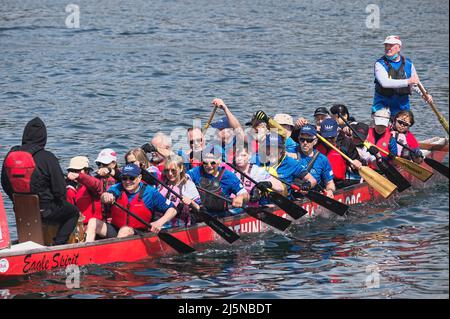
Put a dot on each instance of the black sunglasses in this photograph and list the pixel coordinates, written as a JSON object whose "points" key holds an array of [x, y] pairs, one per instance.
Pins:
{"points": [[191, 142], [128, 178], [309, 140], [403, 123], [73, 170], [210, 163]]}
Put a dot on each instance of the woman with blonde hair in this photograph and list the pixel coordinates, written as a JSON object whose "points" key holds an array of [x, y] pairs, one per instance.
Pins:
{"points": [[174, 175]]}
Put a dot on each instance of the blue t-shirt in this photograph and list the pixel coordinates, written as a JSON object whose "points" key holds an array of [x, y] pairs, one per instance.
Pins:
{"points": [[289, 169], [321, 169], [229, 183], [291, 146], [152, 199]]}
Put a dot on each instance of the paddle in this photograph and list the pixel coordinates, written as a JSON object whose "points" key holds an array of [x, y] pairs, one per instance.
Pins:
{"points": [[322, 200], [441, 168], [170, 240], [222, 230], [264, 216], [440, 117], [413, 168], [213, 112], [378, 182], [292, 209], [389, 171]]}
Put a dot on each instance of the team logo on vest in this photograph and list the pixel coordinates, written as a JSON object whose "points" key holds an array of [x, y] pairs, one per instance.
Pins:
{"points": [[4, 265]]}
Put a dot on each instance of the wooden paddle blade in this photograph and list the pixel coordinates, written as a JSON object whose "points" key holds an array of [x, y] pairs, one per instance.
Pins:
{"points": [[222, 230], [292, 209], [441, 168], [394, 176], [378, 182], [273, 220], [414, 169], [327, 202], [175, 243]]}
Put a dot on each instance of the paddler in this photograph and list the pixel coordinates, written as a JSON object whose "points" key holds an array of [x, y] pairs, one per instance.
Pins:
{"points": [[214, 177], [403, 121], [395, 75], [321, 168], [278, 164], [139, 198]]}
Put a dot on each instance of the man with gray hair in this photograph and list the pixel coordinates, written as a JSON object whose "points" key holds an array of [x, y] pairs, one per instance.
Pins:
{"points": [[159, 148]]}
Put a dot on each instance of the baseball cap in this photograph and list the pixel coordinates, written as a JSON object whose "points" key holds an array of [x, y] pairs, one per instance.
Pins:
{"points": [[328, 128], [308, 129], [321, 111], [393, 39], [131, 170], [284, 119], [221, 123], [361, 128], [78, 162], [106, 156], [382, 117]]}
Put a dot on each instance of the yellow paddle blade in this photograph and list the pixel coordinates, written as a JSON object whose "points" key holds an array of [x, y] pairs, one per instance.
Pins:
{"points": [[378, 182], [413, 168]]}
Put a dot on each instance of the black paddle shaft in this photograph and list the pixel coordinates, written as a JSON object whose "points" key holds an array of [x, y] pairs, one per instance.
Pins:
{"points": [[265, 216], [222, 230], [292, 209], [169, 239], [441, 168], [389, 171]]}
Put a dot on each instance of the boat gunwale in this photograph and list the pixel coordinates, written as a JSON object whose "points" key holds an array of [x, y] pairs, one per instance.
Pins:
{"points": [[148, 235]]}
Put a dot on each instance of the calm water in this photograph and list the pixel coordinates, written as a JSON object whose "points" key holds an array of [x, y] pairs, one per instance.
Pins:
{"points": [[133, 68]]}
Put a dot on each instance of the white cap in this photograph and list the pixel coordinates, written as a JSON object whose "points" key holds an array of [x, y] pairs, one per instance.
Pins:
{"points": [[382, 117], [393, 39], [284, 119], [106, 156]]}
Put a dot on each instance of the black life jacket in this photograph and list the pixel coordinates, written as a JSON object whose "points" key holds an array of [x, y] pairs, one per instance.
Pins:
{"points": [[212, 184], [400, 74]]}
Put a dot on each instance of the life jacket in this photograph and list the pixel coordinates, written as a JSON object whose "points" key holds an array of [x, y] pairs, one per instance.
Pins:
{"points": [[89, 206], [183, 217], [20, 167], [407, 139], [136, 206], [337, 162], [273, 170], [71, 194], [382, 143], [400, 74], [212, 184]]}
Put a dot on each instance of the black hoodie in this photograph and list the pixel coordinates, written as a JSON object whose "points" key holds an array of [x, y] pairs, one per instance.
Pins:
{"points": [[47, 180]]}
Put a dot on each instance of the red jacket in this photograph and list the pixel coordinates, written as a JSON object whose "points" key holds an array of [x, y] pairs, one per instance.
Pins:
{"points": [[88, 195], [337, 162]]}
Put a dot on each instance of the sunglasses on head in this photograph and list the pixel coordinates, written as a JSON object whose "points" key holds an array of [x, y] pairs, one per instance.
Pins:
{"points": [[403, 123], [209, 163], [308, 140], [128, 178]]}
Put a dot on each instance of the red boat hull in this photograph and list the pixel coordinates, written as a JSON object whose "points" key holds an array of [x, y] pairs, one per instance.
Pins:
{"points": [[139, 247]]}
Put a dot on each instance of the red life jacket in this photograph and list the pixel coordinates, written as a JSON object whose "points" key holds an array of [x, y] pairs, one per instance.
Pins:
{"points": [[136, 206], [382, 143], [88, 205], [4, 232], [20, 166]]}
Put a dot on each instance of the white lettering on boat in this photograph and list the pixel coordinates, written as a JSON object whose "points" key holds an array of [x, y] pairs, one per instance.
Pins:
{"points": [[353, 199], [251, 227]]}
